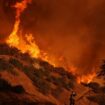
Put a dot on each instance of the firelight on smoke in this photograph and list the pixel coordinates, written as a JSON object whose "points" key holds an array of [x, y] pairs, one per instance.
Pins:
{"points": [[16, 40], [28, 44], [86, 78]]}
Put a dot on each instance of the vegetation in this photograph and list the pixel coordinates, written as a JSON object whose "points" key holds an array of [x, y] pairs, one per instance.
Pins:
{"points": [[99, 96], [42, 78], [5, 65], [100, 99], [60, 82], [16, 63], [94, 86], [42, 85], [57, 92], [6, 50], [5, 86]]}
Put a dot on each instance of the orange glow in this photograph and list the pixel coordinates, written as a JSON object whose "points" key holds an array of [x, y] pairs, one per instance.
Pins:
{"points": [[28, 44], [15, 40], [51, 59], [20, 7], [86, 78], [73, 70]]}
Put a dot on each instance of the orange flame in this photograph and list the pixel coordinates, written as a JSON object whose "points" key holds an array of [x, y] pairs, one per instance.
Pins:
{"points": [[86, 78], [28, 44], [48, 58], [20, 7], [15, 41]]}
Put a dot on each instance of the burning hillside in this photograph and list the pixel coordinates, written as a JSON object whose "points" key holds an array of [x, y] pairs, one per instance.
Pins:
{"points": [[24, 77], [28, 44], [35, 74], [71, 35]]}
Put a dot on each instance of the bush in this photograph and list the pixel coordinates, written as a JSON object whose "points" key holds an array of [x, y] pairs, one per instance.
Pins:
{"points": [[26, 57], [60, 82], [69, 85], [43, 86], [16, 63], [55, 80], [18, 89], [57, 92], [5, 86], [99, 99], [95, 87], [39, 73], [6, 50], [46, 66], [5, 65]]}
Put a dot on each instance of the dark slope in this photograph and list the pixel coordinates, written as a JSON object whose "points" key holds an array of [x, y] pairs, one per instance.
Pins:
{"points": [[47, 80]]}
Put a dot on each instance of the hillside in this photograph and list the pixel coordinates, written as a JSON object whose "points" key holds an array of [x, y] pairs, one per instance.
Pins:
{"points": [[28, 81], [38, 79]]}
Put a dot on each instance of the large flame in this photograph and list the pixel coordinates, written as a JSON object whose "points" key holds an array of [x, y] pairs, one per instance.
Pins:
{"points": [[17, 41], [28, 44], [13, 39], [86, 78]]}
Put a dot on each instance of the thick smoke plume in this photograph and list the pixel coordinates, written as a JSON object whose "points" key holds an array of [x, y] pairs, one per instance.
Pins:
{"points": [[73, 29]]}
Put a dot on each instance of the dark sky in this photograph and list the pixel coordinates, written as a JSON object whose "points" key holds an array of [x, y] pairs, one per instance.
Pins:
{"points": [[72, 28]]}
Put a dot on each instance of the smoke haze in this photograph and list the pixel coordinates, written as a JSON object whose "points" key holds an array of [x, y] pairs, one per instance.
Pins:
{"points": [[73, 29]]}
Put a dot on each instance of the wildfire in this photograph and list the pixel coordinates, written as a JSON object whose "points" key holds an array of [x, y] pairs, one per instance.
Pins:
{"points": [[28, 44], [14, 40], [86, 78]]}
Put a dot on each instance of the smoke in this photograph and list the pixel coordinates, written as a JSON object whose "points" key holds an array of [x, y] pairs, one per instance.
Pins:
{"points": [[73, 29], [2, 22]]}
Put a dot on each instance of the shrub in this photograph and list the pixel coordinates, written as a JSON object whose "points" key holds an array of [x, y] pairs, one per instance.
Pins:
{"points": [[57, 81], [5, 86], [69, 85], [6, 50], [46, 66], [16, 63], [39, 73], [57, 92], [99, 99], [18, 89], [43, 86], [95, 87], [5, 65], [26, 57]]}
